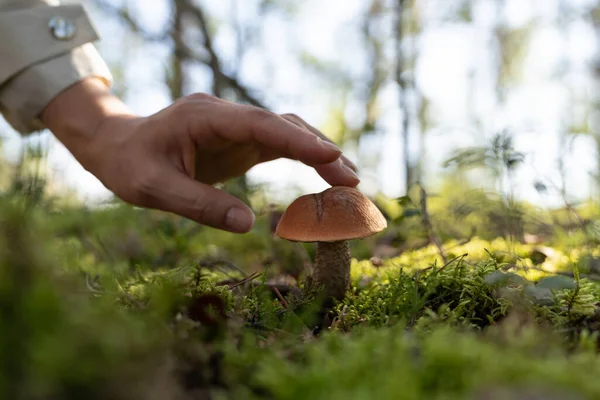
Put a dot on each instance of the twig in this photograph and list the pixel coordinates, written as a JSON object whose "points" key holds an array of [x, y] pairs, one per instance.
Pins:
{"points": [[445, 265], [90, 285], [454, 259], [285, 303], [213, 264], [245, 280], [428, 226]]}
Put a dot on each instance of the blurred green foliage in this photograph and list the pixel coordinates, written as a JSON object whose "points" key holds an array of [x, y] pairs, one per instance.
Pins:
{"points": [[128, 303]]}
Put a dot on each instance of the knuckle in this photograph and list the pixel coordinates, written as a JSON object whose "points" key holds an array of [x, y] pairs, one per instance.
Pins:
{"points": [[195, 97], [296, 120], [202, 207], [191, 103], [145, 185], [260, 114], [179, 107], [293, 117]]}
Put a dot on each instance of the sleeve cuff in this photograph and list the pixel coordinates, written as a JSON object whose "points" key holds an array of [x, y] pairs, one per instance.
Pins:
{"points": [[25, 96]]}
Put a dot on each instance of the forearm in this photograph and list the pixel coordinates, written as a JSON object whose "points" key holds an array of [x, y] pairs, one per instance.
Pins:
{"points": [[75, 115]]}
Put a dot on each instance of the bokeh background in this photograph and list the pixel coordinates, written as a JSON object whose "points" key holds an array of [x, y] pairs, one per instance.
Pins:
{"points": [[413, 90]]}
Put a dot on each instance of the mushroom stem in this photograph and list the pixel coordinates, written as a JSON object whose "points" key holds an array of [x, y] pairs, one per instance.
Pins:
{"points": [[332, 268]]}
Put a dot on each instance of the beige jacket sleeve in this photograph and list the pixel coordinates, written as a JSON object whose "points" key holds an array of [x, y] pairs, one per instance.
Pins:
{"points": [[39, 59]]}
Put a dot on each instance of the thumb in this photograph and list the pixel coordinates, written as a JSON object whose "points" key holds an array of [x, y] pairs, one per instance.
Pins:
{"points": [[203, 203]]}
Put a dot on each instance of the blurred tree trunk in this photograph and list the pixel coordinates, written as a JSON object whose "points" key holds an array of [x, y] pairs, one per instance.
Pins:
{"points": [[403, 84], [567, 120], [407, 31], [421, 102], [375, 79], [500, 34], [175, 79], [594, 125]]}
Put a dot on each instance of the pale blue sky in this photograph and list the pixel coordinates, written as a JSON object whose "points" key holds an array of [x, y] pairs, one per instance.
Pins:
{"points": [[328, 30]]}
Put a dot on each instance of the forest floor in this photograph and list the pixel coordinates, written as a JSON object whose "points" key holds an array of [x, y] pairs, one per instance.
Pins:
{"points": [[133, 304]]}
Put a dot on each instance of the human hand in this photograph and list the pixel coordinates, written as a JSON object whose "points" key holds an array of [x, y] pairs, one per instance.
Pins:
{"points": [[171, 159]]}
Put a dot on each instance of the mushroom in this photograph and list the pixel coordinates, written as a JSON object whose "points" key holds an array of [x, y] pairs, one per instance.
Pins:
{"points": [[331, 218]]}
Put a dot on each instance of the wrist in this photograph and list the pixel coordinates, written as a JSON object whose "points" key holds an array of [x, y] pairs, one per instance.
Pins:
{"points": [[77, 115]]}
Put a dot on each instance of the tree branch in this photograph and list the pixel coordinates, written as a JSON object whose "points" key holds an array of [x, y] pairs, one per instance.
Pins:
{"points": [[221, 80]]}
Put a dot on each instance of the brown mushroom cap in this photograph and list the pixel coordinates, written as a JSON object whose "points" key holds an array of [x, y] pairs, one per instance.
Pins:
{"points": [[338, 213]]}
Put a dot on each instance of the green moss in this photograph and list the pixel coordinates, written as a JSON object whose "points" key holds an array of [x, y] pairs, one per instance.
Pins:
{"points": [[128, 304]]}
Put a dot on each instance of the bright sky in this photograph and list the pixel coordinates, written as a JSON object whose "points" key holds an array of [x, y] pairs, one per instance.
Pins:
{"points": [[327, 29]]}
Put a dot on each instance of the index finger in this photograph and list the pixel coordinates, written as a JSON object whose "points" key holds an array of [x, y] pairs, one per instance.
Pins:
{"points": [[240, 123], [293, 118]]}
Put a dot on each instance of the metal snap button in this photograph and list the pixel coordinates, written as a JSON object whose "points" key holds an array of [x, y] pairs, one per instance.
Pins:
{"points": [[61, 28]]}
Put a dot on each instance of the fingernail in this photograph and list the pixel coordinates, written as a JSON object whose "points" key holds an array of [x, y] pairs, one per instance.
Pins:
{"points": [[350, 164], [330, 145], [351, 172], [239, 220]]}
